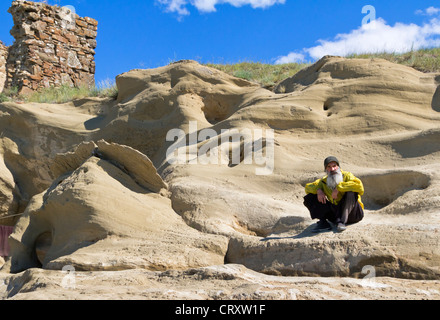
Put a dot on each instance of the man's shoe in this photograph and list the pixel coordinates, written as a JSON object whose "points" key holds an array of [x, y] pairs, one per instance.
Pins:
{"points": [[322, 226], [341, 227]]}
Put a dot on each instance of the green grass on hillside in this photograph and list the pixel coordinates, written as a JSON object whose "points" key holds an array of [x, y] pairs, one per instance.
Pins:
{"points": [[267, 75], [63, 93], [425, 60]]}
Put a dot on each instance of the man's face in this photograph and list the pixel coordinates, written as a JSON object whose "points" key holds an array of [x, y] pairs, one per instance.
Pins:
{"points": [[332, 168]]}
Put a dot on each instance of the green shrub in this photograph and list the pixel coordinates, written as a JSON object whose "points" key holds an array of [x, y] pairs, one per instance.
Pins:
{"points": [[425, 60], [106, 88], [65, 93], [267, 75], [60, 94], [3, 97]]}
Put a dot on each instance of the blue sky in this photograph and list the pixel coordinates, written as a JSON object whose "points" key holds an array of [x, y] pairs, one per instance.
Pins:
{"points": [[152, 33]]}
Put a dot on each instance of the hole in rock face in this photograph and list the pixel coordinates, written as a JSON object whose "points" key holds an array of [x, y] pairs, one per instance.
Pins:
{"points": [[382, 189], [435, 104], [215, 110], [328, 104], [219, 107], [42, 245]]}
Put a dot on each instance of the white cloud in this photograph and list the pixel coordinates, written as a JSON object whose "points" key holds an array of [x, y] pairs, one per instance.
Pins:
{"points": [[175, 6], [205, 5], [432, 11], [375, 37], [180, 6], [291, 57], [429, 11]]}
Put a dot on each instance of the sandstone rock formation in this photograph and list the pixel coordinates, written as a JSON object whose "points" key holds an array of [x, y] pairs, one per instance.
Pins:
{"points": [[224, 282], [138, 226], [99, 193]]}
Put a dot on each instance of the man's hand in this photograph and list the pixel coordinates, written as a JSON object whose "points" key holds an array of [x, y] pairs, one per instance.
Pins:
{"points": [[335, 194], [321, 196]]}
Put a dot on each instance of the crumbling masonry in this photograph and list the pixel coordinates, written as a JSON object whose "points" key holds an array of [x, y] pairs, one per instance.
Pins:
{"points": [[3, 58], [53, 47]]}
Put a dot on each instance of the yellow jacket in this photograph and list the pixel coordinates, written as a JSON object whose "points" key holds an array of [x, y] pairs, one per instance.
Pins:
{"points": [[349, 183]]}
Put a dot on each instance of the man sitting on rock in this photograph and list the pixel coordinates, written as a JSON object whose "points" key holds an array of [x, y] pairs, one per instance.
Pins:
{"points": [[336, 198]]}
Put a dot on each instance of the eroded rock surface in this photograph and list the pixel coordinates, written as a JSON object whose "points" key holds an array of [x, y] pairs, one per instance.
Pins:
{"points": [[98, 193]]}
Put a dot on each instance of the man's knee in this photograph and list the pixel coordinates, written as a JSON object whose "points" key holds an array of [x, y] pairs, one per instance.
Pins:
{"points": [[350, 196], [350, 200], [310, 200], [310, 197], [356, 213], [317, 209]]}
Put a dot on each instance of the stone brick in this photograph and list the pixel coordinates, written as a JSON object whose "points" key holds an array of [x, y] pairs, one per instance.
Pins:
{"points": [[91, 21], [81, 23], [59, 38], [49, 20], [40, 35], [71, 38], [39, 25]]}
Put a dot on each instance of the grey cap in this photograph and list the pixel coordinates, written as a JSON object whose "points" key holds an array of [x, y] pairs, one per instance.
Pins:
{"points": [[330, 159]]}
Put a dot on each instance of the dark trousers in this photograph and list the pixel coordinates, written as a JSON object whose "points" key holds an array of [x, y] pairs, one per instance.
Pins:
{"points": [[348, 210]]}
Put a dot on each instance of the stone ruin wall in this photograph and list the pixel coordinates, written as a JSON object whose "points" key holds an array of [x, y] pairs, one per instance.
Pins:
{"points": [[53, 47], [3, 58]]}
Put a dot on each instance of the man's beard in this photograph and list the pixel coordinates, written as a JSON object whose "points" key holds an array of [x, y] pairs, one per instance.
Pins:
{"points": [[333, 178]]}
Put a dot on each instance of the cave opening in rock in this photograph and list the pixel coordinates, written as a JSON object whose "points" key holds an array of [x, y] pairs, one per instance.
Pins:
{"points": [[42, 246]]}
